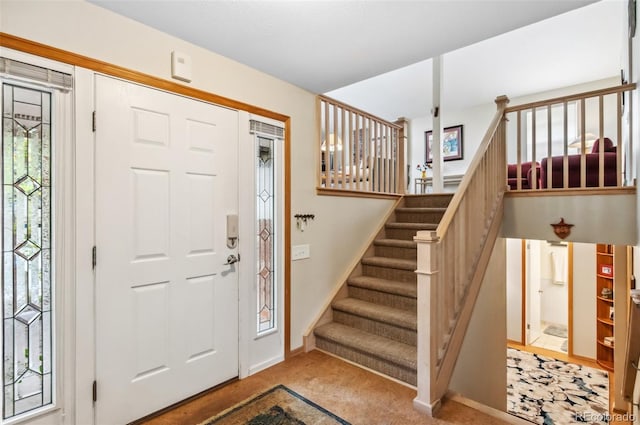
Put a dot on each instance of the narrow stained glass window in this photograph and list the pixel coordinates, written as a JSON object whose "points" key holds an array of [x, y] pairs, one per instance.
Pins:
{"points": [[265, 233], [26, 250]]}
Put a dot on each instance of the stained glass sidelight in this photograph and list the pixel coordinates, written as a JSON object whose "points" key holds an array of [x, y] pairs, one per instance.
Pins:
{"points": [[26, 250], [265, 234]]}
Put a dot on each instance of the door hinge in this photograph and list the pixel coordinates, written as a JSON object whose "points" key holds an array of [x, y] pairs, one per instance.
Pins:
{"points": [[94, 257], [94, 391], [93, 121]]}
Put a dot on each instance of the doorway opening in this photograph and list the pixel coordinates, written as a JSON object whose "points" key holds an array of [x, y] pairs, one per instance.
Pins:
{"points": [[547, 295]]}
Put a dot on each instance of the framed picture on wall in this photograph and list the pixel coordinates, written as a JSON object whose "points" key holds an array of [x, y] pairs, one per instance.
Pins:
{"points": [[451, 143]]}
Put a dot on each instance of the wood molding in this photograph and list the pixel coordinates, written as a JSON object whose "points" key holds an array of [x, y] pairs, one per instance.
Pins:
{"points": [[570, 296], [356, 110], [49, 52], [584, 361], [572, 97], [296, 352], [523, 283], [287, 239], [53, 53], [578, 191], [323, 191]]}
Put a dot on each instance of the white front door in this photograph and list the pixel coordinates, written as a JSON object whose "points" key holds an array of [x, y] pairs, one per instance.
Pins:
{"points": [[166, 304]]}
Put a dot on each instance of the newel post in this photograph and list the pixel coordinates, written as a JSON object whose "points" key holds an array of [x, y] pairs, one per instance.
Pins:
{"points": [[427, 400], [401, 181]]}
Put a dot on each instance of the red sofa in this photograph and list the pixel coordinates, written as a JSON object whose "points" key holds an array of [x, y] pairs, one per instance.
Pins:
{"points": [[512, 175], [592, 168]]}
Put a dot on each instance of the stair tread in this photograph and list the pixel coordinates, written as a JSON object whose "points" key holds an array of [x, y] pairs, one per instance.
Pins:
{"points": [[402, 318], [394, 263], [396, 243], [420, 209], [387, 349], [407, 289], [412, 226]]}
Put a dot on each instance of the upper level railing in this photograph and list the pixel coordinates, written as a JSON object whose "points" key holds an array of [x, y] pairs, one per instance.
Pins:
{"points": [[555, 143], [452, 261], [358, 151]]}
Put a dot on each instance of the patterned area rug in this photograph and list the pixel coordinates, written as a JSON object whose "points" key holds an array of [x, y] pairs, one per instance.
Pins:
{"points": [[547, 391], [277, 406]]}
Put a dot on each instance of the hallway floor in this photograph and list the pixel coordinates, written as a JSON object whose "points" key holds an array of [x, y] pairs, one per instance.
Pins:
{"points": [[550, 342], [356, 395]]}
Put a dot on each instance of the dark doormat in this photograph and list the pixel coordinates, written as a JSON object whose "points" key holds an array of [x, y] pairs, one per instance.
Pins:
{"points": [[277, 406]]}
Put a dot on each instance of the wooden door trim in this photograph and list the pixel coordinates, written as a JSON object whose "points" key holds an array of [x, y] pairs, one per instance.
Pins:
{"points": [[570, 296], [523, 283], [59, 55]]}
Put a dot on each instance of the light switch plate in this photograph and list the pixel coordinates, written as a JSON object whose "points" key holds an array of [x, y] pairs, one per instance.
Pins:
{"points": [[300, 252]]}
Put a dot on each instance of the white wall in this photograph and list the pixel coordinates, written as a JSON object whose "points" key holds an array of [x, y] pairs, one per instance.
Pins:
{"points": [[341, 226], [514, 289], [594, 220], [481, 374], [584, 300], [475, 121], [555, 296]]}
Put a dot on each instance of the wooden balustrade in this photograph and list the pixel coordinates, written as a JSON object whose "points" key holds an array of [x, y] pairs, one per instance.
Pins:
{"points": [[452, 260], [358, 151], [550, 142]]}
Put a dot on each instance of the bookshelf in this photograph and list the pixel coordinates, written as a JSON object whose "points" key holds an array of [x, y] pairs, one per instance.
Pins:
{"points": [[604, 306]]}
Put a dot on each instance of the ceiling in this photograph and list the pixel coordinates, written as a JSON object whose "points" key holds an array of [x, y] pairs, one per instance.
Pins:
{"points": [[322, 46]]}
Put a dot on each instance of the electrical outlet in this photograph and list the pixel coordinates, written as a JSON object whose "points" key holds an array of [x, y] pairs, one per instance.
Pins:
{"points": [[300, 252]]}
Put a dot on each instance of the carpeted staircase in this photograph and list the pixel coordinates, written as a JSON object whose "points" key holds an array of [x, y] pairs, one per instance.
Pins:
{"points": [[375, 324]]}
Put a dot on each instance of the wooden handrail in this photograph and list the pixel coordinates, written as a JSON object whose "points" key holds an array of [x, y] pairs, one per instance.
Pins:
{"points": [[571, 97], [501, 101], [452, 261], [355, 110]]}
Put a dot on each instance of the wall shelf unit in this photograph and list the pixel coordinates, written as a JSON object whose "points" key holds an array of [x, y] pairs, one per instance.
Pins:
{"points": [[604, 306]]}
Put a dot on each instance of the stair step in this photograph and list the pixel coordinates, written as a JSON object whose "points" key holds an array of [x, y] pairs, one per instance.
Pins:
{"points": [[395, 248], [421, 210], [438, 200], [392, 287], [380, 313], [412, 226], [396, 243], [390, 293], [391, 263], [406, 231], [420, 214], [376, 352]]}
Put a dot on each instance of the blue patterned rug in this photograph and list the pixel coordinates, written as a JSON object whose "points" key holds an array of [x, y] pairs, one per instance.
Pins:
{"points": [[547, 391], [277, 406]]}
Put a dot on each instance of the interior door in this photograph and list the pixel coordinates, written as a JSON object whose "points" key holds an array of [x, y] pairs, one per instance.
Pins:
{"points": [[166, 304], [534, 291]]}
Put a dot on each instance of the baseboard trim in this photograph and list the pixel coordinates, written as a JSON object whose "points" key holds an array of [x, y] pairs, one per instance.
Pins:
{"points": [[429, 409], [295, 352], [487, 410], [265, 364]]}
